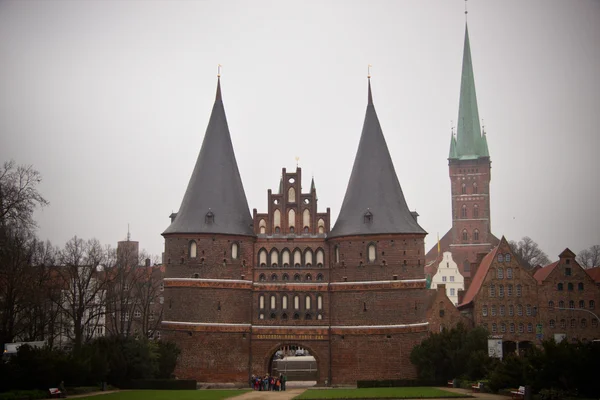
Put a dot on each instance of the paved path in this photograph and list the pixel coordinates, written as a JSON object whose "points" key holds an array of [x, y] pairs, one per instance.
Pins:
{"points": [[258, 395], [486, 396]]}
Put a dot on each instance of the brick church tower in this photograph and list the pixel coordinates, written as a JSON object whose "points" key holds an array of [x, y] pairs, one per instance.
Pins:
{"points": [[470, 174]]}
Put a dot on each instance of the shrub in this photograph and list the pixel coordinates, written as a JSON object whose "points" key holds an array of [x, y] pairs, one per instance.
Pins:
{"points": [[398, 383], [24, 394], [161, 384]]}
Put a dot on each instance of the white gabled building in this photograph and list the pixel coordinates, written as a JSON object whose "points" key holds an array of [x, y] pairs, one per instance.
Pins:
{"points": [[449, 275]]}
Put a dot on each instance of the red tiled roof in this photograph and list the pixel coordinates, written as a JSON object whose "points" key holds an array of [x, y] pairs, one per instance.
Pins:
{"points": [[594, 273], [479, 276], [542, 273]]}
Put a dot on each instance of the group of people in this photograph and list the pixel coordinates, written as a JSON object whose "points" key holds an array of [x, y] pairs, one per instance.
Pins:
{"points": [[268, 382]]}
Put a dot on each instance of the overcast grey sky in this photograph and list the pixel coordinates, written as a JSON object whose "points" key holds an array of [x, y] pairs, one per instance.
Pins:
{"points": [[110, 102]]}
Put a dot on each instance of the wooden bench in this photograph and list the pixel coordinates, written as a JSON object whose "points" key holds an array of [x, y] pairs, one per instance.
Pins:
{"points": [[55, 393], [477, 388], [519, 393]]}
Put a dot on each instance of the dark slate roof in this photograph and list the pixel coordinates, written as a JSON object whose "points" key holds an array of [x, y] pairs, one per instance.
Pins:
{"points": [[215, 186], [373, 188]]}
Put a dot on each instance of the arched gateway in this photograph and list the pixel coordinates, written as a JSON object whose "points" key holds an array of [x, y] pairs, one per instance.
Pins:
{"points": [[299, 360], [296, 361]]}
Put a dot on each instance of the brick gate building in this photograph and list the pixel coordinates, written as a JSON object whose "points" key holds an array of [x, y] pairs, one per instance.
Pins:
{"points": [[238, 287]]}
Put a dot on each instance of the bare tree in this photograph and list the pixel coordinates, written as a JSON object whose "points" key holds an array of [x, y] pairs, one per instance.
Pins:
{"points": [[529, 252], [149, 291], [18, 199], [82, 274], [589, 258], [19, 195], [122, 301], [44, 291], [15, 253]]}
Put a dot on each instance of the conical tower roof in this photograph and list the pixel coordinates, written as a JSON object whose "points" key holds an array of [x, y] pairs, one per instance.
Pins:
{"points": [[215, 201], [469, 142], [374, 202]]}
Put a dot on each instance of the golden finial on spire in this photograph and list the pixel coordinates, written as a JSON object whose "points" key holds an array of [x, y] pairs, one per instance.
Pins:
{"points": [[219, 70], [297, 159], [369, 71]]}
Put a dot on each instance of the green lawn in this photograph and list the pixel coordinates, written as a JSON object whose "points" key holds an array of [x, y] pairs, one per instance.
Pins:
{"points": [[379, 393], [168, 395]]}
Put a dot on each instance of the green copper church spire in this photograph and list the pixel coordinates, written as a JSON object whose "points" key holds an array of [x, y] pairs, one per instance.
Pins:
{"points": [[469, 142]]}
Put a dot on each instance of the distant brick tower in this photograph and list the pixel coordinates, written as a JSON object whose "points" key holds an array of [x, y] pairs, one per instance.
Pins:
{"points": [[470, 175], [209, 250]]}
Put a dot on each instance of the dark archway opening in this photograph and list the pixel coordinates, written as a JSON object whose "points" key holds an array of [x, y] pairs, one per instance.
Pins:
{"points": [[296, 362], [508, 347]]}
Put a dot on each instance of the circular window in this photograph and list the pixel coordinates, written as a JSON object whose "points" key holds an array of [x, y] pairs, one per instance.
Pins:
{"points": [[292, 180], [306, 201]]}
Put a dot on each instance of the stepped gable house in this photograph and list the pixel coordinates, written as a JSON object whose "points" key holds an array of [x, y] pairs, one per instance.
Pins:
{"points": [[470, 174], [241, 287], [558, 301]]}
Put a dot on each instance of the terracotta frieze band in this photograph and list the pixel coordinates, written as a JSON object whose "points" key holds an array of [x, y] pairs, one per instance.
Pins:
{"points": [[207, 283], [378, 285]]}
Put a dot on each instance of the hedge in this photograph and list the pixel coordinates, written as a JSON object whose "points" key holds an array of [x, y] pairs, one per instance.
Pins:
{"points": [[161, 384], [398, 383], [24, 394]]}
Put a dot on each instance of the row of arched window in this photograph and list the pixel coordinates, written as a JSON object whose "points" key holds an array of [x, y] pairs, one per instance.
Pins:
{"points": [[509, 310], [504, 257], [465, 235], [581, 304], [287, 302], [465, 214], [285, 277], [287, 258], [500, 272], [295, 316], [573, 324], [570, 287], [291, 222], [475, 188], [193, 250], [511, 327], [508, 291]]}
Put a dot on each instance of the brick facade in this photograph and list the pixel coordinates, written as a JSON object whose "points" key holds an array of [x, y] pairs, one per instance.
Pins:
{"points": [[522, 309], [230, 311]]}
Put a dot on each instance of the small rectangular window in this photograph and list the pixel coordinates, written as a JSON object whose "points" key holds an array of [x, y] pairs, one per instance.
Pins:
{"points": [[567, 271], [452, 279]]}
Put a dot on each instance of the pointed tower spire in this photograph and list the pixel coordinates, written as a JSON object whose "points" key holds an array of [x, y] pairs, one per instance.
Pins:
{"points": [[469, 143], [452, 146], [215, 201], [374, 202], [281, 185], [312, 184]]}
